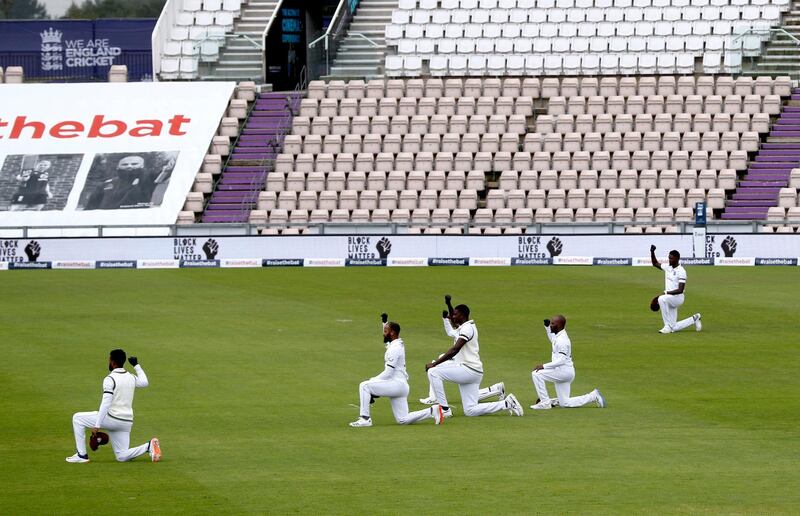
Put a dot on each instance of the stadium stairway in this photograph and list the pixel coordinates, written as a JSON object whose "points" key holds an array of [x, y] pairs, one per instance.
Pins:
{"points": [[781, 55], [252, 157], [357, 58], [770, 171], [240, 59]]}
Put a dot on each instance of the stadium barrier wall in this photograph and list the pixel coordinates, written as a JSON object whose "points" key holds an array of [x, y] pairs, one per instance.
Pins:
{"points": [[100, 153], [77, 50], [393, 251]]}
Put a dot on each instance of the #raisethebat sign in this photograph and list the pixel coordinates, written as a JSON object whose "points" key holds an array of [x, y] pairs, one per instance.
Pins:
{"points": [[103, 154]]}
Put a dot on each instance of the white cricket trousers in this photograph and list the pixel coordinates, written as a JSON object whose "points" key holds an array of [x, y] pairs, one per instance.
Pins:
{"points": [[118, 431], [669, 312], [561, 378], [397, 392], [468, 382]]}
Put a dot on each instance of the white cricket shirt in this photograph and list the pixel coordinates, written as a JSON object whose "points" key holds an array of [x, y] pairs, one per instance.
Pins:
{"points": [[562, 349], [121, 384], [395, 361], [673, 276], [469, 355]]}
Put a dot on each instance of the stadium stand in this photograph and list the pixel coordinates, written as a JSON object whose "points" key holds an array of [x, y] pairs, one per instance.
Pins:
{"points": [[442, 154], [219, 35], [568, 37]]}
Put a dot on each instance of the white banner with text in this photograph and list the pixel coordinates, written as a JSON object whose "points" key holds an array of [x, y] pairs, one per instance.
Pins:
{"points": [[394, 251], [103, 153]]}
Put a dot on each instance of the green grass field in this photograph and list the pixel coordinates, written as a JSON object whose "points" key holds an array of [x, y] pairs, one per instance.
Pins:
{"points": [[253, 373]]}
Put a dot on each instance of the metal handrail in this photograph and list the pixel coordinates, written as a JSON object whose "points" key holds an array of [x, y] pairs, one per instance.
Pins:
{"points": [[358, 34], [716, 227], [761, 31], [331, 24]]}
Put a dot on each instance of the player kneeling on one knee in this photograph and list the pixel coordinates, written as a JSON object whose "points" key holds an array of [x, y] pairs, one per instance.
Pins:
{"points": [[673, 296], [115, 414], [391, 383], [461, 364], [559, 371]]}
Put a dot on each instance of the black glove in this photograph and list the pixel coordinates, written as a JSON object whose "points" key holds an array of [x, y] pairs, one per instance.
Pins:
{"points": [[133, 361], [447, 298], [372, 398], [445, 315], [652, 248], [547, 323], [384, 318]]}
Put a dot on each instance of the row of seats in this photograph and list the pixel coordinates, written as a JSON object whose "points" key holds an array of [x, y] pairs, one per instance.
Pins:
{"points": [[529, 45], [179, 68], [555, 15], [534, 142], [671, 104], [504, 217], [561, 64], [395, 143], [451, 199], [476, 230], [429, 106], [662, 123], [205, 18], [206, 51], [233, 6], [457, 181], [403, 124], [535, 88], [488, 161], [574, 105], [636, 141], [582, 4]]}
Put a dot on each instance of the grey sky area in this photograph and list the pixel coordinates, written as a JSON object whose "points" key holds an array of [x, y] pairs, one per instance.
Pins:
{"points": [[57, 8]]}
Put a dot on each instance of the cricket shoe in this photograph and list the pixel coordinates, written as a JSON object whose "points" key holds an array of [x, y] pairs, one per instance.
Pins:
{"points": [[542, 405], [697, 324], [599, 399], [439, 414], [78, 458], [155, 449], [430, 400], [358, 423], [665, 329], [500, 388], [513, 405]]}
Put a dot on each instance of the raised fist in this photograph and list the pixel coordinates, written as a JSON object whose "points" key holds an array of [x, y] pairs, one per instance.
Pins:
{"points": [[447, 298], [445, 315], [33, 250], [211, 248], [652, 249], [547, 323], [554, 246], [133, 361], [384, 318], [729, 246], [384, 247]]}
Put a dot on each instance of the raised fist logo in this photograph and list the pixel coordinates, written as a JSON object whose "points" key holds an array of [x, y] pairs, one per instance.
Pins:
{"points": [[729, 246], [33, 250], [211, 248], [384, 247], [554, 247]]}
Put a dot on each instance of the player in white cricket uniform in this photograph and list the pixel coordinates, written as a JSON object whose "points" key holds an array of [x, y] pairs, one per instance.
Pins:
{"points": [[673, 297], [391, 383], [560, 371], [466, 370], [115, 414], [498, 389]]}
